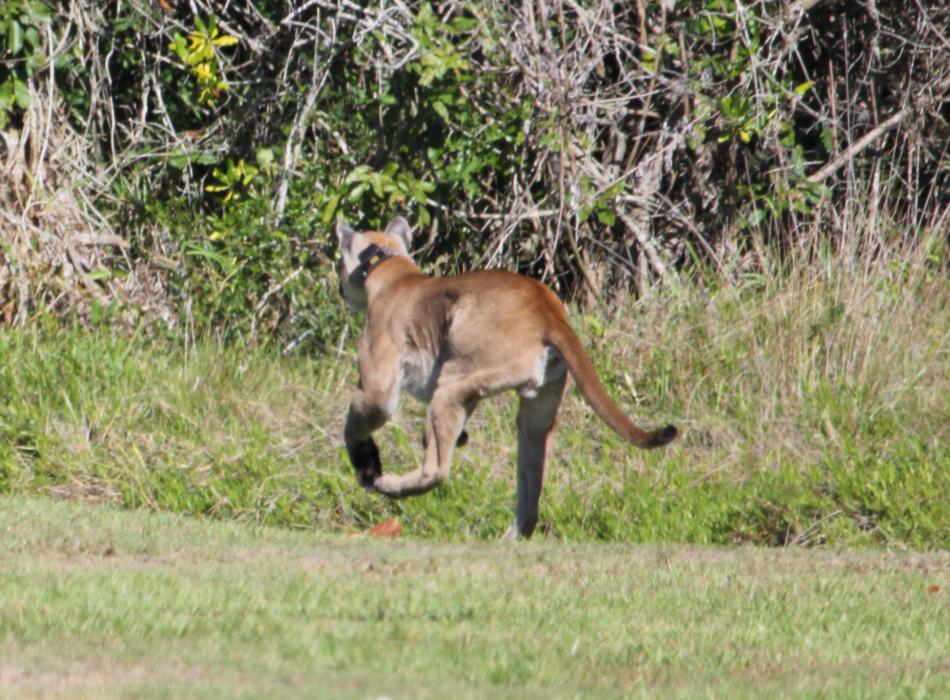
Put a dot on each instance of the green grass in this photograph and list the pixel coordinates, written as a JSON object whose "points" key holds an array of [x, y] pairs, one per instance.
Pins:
{"points": [[814, 408], [101, 602]]}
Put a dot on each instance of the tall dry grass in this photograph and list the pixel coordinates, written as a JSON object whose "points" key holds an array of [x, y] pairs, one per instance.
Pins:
{"points": [[804, 356]]}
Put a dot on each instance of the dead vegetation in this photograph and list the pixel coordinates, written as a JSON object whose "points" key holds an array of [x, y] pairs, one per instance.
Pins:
{"points": [[58, 254]]}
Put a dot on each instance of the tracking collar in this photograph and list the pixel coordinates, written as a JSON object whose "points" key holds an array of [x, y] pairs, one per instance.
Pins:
{"points": [[371, 257]]}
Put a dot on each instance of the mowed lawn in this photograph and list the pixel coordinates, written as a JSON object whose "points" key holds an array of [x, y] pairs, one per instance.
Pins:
{"points": [[98, 602]]}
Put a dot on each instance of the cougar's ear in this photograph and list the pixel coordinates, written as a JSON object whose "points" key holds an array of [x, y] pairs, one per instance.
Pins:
{"points": [[400, 228], [344, 234]]}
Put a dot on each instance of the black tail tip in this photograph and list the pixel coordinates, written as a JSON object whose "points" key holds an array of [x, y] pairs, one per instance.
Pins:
{"points": [[663, 436]]}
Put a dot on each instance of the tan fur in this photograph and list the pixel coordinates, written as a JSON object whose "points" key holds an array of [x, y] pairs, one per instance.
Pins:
{"points": [[452, 341]]}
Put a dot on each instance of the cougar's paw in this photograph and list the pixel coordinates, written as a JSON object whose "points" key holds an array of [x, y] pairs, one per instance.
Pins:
{"points": [[364, 456], [388, 485]]}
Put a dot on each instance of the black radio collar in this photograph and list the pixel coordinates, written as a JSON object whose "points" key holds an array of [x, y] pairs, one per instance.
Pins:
{"points": [[371, 257]]}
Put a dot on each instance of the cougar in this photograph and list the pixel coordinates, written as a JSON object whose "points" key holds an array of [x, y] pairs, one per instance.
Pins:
{"points": [[451, 342]]}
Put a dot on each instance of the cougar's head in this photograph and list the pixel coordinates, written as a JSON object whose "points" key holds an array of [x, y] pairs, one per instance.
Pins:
{"points": [[361, 252]]}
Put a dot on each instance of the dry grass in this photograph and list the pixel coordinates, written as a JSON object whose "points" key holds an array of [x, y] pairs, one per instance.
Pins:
{"points": [[782, 368]]}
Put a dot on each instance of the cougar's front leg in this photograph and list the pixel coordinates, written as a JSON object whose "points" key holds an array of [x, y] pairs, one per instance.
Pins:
{"points": [[375, 401]]}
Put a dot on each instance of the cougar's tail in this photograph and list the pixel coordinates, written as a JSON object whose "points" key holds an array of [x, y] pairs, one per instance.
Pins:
{"points": [[582, 369]]}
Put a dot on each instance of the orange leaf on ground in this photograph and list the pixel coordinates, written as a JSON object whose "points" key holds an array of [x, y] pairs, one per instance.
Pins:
{"points": [[387, 528]]}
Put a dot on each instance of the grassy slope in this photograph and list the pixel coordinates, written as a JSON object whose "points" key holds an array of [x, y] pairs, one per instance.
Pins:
{"points": [[97, 602], [814, 407]]}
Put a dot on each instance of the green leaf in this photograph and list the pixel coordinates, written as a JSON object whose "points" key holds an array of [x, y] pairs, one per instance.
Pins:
{"points": [[803, 88], [357, 174], [357, 192], [419, 193], [606, 216], [21, 93], [32, 37], [329, 211], [6, 93], [440, 109], [596, 325], [648, 59], [180, 47], [14, 37], [39, 12]]}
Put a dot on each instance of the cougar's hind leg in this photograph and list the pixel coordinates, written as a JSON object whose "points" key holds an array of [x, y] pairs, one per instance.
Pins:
{"points": [[461, 441], [447, 414], [537, 420]]}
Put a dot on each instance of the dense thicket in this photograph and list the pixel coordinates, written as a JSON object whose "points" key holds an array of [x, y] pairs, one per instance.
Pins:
{"points": [[184, 160]]}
